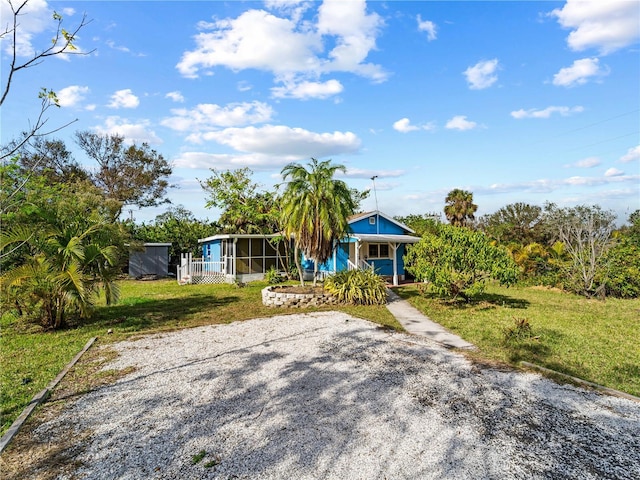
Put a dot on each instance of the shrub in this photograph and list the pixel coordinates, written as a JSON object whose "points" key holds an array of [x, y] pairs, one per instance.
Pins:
{"points": [[457, 261], [357, 287], [273, 276], [521, 330]]}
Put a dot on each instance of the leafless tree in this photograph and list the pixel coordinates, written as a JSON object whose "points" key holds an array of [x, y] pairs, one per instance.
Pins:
{"points": [[63, 42], [585, 233]]}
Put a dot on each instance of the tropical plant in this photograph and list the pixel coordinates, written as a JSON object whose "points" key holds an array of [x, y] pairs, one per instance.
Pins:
{"points": [[459, 208], [273, 276], [63, 275], [58, 250], [357, 287], [623, 261], [314, 209], [458, 261]]}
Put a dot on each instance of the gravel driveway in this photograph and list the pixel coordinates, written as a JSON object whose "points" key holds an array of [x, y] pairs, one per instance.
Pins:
{"points": [[325, 395]]}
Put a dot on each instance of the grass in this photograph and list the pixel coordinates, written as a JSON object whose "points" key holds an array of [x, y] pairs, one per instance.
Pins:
{"points": [[30, 357], [590, 339]]}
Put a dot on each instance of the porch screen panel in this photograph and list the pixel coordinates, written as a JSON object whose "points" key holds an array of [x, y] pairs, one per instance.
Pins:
{"points": [[270, 262], [257, 247]]}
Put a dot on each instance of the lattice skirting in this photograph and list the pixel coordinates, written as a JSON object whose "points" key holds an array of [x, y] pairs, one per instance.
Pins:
{"points": [[210, 278]]}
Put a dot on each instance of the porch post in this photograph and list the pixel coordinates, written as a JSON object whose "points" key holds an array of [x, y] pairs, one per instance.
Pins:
{"points": [[233, 258], [357, 253], [394, 247]]}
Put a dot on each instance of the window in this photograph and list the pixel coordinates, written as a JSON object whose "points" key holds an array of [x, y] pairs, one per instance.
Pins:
{"points": [[372, 220], [378, 250]]}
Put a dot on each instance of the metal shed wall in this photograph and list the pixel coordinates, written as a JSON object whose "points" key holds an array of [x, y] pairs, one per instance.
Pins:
{"points": [[154, 260]]}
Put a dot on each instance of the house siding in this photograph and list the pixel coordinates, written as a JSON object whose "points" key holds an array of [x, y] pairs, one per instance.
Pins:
{"points": [[383, 226]]}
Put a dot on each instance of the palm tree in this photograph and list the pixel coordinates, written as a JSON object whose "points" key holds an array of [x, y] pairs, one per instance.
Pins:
{"points": [[315, 209], [459, 208], [65, 272]]}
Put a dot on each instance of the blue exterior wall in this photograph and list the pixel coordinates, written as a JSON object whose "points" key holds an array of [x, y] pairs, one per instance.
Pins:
{"points": [[384, 227], [342, 257], [211, 250]]}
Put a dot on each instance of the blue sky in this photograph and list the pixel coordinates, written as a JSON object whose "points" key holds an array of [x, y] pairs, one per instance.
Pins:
{"points": [[514, 101]]}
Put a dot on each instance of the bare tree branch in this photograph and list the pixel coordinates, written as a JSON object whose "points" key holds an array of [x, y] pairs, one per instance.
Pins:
{"points": [[62, 42]]}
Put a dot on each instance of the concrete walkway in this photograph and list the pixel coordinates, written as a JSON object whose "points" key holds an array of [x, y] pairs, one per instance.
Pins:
{"points": [[417, 323]]}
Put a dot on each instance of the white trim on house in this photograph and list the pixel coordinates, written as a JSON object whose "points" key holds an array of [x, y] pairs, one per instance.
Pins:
{"points": [[227, 236]]}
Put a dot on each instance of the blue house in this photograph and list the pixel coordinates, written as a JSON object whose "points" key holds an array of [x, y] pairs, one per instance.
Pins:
{"points": [[375, 241]]}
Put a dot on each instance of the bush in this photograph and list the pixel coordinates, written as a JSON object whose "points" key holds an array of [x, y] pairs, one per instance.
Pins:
{"points": [[457, 261], [357, 287], [273, 276], [521, 330]]}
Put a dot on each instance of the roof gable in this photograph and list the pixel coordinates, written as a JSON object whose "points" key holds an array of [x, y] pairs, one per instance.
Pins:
{"points": [[382, 223]]}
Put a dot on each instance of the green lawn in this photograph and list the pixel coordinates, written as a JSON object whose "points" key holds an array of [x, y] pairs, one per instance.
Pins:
{"points": [[30, 358], [595, 340]]}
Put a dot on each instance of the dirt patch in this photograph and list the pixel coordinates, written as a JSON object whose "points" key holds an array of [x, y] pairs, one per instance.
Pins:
{"points": [[41, 454]]}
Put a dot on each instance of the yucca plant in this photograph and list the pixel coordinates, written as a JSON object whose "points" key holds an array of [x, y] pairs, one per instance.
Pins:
{"points": [[357, 287]]}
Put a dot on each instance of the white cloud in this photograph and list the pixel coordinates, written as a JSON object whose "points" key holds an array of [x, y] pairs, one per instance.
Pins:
{"points": [[482, 74], [403, 125], [176, 96], [579, 72], [546, 113], [283, 140], [631, 155], [256, 39], [289, 47], [35, 19], [606, 25], [361, 173], [429, 27], [244, 86], [72, 95], [588, 162], [460, 122], [124, 99], [613, 172], [306, 90], [209, 116], [132, 132], [67, 12], [354, 33], [549, 185], [256, 161], [121, 48]]}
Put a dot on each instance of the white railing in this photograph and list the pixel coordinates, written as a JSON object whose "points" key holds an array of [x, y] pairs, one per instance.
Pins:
{"points": [[200, 271], [362, 265]]}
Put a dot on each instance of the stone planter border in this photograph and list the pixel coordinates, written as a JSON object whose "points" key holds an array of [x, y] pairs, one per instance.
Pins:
{"points": [[272, 298]]}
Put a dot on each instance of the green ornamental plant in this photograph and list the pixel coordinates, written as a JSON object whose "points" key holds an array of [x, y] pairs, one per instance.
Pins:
{"points": [[457, 262], [357, 287]]}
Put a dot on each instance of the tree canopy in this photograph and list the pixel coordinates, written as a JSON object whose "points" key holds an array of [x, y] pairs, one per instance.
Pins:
{"points": [[315, 208], [459, 208], [246, 208], [457, 261], [133, 175]]}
